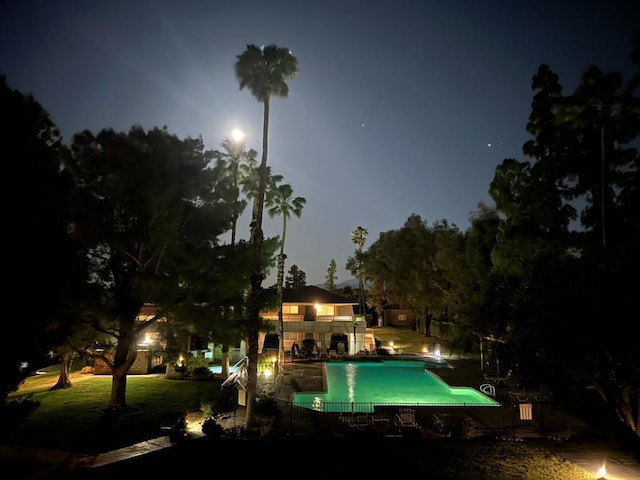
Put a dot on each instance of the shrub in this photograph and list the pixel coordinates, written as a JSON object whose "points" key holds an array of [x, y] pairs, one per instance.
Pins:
{"points": [[207, 409], [461, 426], [211, 428], [266, 412], [201, 373]]}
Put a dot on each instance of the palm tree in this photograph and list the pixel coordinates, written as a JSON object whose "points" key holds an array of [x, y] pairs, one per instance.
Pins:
{"points": [[279, 202], [359, 238], [238, 159], [264, 71]]}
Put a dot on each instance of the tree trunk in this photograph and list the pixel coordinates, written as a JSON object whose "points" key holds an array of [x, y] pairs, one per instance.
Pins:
{"points": [[65, 367], [225, 360], [255, 294], [281, 259], [125, 355]]}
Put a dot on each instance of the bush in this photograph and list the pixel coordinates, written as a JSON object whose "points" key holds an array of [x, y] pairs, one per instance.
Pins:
{"points": [[201, 373], [211, 428], [15, 410], [461, 426], [266, 412], [208, 410]]}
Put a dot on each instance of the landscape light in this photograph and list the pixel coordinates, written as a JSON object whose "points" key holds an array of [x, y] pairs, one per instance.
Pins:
{"points": [[602, 472]]}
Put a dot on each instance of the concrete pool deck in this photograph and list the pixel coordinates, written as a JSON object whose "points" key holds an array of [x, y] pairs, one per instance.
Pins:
{"points": [[307, 375]]}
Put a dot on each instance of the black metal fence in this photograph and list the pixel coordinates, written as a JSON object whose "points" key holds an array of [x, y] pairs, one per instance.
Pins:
{"points": [[510, 421]]}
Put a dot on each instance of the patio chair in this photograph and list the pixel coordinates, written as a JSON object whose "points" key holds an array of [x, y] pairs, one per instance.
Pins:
{"points": [[499, 380], [405, 420]]}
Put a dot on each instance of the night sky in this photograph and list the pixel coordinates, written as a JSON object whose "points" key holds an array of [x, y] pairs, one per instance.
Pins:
{"points": [[399, 107]]}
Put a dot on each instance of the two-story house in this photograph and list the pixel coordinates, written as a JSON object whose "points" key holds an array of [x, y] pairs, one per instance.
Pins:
{"points": [[313, 313]]}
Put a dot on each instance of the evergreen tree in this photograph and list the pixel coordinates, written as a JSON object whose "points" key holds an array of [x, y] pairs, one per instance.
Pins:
{"points": [[296, 278], [149, 209], [330, 279]]}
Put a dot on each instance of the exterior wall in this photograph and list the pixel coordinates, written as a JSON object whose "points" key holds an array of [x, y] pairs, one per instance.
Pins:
{"points": [[305, 324], [141, 366]]}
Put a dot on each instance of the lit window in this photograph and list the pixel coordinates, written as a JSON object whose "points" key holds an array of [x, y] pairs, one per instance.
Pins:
{"points": [[325, 310]]}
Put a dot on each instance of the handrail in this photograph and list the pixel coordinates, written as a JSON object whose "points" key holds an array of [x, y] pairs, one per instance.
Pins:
{"points": [[243, 359], [240, 375]]}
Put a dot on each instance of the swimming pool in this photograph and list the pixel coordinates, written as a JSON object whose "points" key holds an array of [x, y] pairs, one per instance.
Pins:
{"points": [[359, 386]]}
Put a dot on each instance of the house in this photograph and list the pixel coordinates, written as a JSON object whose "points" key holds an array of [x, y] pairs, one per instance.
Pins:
{"points": [[313, 313]]}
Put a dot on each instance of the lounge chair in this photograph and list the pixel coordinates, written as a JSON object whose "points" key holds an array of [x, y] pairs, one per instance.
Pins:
{"points": [[499, 380], [405, 421]]}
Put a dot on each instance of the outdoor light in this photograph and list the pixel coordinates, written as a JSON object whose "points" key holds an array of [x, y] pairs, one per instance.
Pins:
{"points": [[602, 472], [269, 372], [391, 344], [425, 350]]}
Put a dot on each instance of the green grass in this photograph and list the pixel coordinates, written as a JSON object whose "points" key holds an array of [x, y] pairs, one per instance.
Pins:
{"points": [[74, 419], [410, 341]]}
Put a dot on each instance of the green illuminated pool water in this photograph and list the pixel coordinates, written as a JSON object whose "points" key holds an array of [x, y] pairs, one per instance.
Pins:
{"points": [[358, 386]]}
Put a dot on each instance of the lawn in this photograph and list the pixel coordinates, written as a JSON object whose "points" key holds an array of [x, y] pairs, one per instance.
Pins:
{"points": [[73, 419], [407, 340]]}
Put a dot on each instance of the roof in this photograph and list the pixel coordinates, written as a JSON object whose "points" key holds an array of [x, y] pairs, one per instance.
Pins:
{"points": [[312, 295]]}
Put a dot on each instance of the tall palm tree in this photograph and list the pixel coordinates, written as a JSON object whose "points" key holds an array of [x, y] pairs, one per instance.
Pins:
{"points": [[359, 238], [236, 156], [264, 71], [250, 180], [280, 202], [239, 161]]}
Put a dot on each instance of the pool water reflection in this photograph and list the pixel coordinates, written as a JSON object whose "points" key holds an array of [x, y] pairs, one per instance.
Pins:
{"points": [[359, 386]]}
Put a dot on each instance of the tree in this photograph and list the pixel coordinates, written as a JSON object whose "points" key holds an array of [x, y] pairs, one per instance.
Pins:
{"points": [[296, 278], [330, 279], [149, 209], [546, 277], [405, 269], [280, 202], [238, 161], [264, 71], [359, 238], [49, 274]]}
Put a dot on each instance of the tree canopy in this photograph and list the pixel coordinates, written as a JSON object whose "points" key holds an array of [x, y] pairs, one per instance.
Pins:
{"points": [[149, 210]]}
